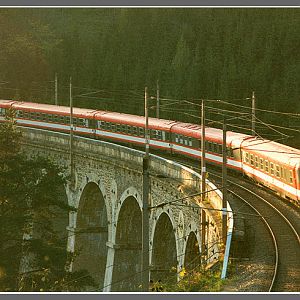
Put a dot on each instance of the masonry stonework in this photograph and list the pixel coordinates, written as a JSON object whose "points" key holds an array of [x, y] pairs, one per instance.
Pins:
{"points": [[105, 231]]}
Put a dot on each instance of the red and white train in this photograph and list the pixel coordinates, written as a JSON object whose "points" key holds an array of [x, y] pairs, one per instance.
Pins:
{"points": [[274, 165]]}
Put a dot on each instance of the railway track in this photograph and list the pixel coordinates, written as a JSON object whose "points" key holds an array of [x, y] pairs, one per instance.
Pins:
{"points": [[284, 234], [272, 232], [285, 240]]}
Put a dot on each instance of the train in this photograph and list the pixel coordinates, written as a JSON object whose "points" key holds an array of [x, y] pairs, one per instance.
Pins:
{"points": [[269, 163]]}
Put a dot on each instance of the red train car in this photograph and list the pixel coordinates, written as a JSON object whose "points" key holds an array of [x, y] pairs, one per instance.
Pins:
{"points": [[272, 164]]}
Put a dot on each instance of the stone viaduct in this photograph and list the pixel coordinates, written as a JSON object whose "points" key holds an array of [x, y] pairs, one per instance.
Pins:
{"points": [[106, 229]]}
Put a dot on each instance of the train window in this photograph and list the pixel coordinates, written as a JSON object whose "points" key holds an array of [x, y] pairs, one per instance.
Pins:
{"points": [[118, 127], [113, 126], [261, 163], [152, 133], [281, 172], [267, 166], [176, 138], [181, 139], [215, 147], [271, 168], [256, 161], [159, 135], [166, 136], [100, 124], [2, 111], [123, 128], [134, 130], [206, 145], [291, 176], [277, 168], [251, 160], [246, 157], [142, 131], [190, 142], [209, 146], [220, 147]]}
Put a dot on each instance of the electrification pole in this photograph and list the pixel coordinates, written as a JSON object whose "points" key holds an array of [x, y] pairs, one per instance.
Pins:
{"points": [[71, 132], [157, 99], [56, 102], [253, 114], [224, 185], [203, 177], [145, 216]]}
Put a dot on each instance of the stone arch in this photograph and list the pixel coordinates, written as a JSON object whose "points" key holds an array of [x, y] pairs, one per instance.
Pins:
{"points": [[164, 251], [128, 246], [91, 233], [118, 204], [192, 258]]}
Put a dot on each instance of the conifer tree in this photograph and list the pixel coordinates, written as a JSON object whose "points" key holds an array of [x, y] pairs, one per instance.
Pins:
{"points": [[33, 248]]}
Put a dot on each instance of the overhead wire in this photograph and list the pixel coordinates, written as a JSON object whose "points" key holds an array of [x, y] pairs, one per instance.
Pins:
{"points": [[264, 110]]}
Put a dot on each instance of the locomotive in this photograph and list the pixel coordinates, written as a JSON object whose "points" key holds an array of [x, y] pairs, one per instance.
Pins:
{"points": [[272, 164]]}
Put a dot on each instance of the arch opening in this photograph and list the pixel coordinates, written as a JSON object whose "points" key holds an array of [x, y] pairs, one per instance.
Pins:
{"points": [[128, 248], [91, 234], [192, 257], [164, 254]]}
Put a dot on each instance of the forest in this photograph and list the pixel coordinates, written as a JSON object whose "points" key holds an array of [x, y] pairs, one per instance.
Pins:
{"points": [[112, 54]]}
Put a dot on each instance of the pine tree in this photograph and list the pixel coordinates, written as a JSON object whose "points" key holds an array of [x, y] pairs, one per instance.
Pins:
{"points": [[32, 246]]}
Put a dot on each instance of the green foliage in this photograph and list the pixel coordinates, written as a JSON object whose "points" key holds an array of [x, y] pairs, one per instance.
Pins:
{"points": [[33, 218], [194, 53], [197, 280]]}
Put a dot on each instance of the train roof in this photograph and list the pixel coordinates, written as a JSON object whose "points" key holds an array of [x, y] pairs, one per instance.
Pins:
{"points": [[59, 110], [214, 134], [134, 120], [6, 103], [273, 150]]}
